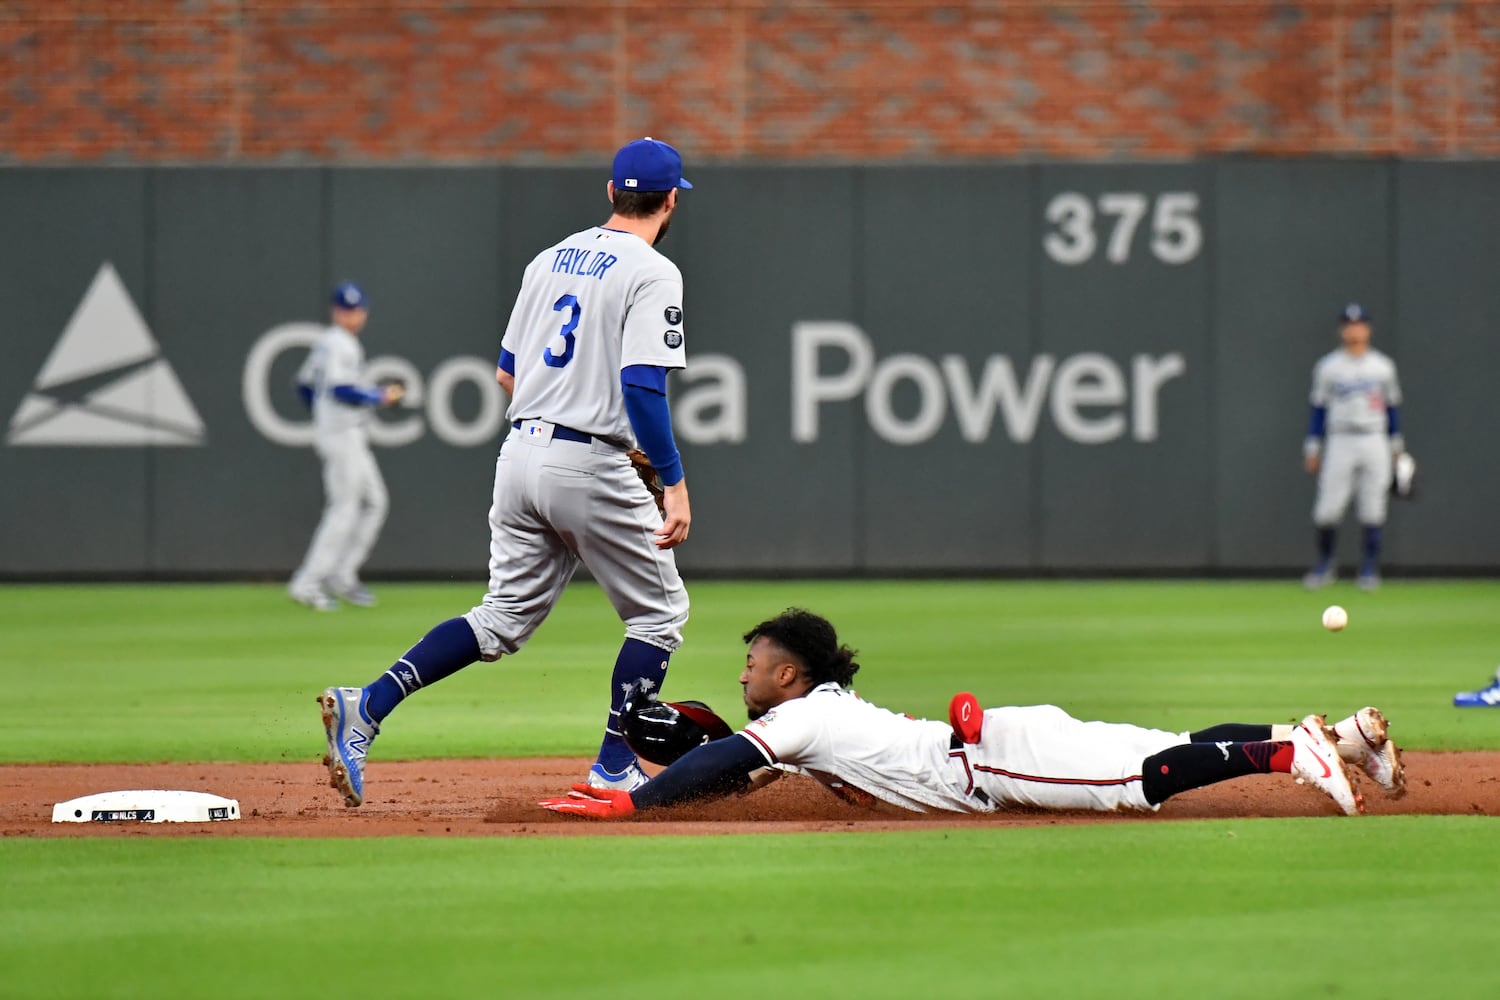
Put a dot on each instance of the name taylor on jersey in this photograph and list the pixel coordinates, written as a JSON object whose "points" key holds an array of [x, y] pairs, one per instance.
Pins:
{"points": [[582, 262]]}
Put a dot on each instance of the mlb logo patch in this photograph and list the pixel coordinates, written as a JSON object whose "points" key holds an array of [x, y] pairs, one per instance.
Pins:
{"points": [[631, 182]]}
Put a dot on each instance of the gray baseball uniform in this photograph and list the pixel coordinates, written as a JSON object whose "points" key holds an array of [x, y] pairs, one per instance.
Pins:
{"points": [[1355, 392], [355, 498], [591, 306], [595, 328]]}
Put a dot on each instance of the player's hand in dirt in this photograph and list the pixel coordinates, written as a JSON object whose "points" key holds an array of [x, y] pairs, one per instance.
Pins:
{"points": [[594, 803]]}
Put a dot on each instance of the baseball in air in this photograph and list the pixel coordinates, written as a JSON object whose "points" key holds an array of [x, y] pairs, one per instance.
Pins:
{"points": [[1335, 618]]}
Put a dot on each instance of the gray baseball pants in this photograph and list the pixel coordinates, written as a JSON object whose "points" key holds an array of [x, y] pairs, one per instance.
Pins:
{"points": [[558, 503], [354, 508]]}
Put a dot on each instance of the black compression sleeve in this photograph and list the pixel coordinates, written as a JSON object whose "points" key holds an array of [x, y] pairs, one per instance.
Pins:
{"points": [[709, 771], [1236, 732]]}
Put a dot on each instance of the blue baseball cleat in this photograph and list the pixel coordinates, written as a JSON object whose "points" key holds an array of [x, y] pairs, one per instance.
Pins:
{"points": [[1320, 576], [627, 780], [350, 733], [1485, 697]]}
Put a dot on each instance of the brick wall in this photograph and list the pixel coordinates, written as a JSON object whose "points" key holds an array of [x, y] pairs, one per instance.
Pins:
{"points": [[408, 81]]}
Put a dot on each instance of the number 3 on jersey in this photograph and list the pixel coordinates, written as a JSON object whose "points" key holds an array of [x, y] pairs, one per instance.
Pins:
{"points": [[575, 313]]}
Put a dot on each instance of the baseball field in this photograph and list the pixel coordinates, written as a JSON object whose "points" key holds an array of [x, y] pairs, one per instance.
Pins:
{"points": [[450, 882]]}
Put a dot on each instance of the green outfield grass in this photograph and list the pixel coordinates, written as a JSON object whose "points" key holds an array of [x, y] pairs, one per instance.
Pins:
{"points": [[1376, 908], [229, 672], [1369, 908]]}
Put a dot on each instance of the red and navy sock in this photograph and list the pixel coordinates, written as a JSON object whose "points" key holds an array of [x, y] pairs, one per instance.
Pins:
{"points": [[442, 652], [637, 660], [1193, 765]]}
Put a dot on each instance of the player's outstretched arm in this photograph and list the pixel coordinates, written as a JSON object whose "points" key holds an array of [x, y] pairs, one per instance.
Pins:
{"points": [[711, 771]]}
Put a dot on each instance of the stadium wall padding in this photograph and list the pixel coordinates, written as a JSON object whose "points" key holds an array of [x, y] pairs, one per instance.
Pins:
{"points": [[968, 369]]}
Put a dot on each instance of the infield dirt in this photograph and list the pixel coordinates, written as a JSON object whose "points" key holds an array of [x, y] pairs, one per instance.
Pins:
{"points": [[480, 798]]}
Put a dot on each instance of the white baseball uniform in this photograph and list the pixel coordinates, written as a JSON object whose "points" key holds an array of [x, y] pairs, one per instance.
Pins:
{"points": [[355, 498], [1358, 451], [598, 302], [1036, 756]]}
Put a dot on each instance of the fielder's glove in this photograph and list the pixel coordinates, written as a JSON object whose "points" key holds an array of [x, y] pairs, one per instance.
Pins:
{"points": [[647, 472], [392, 391], [593, 803], [1404, 476]]}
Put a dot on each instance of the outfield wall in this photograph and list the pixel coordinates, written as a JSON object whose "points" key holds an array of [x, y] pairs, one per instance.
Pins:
{"points": [[967, 369]]}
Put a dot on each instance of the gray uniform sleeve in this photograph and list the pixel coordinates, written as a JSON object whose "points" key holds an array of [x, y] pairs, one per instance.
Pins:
{"points": [[341, 364], [1320, 395], [654, 332]]}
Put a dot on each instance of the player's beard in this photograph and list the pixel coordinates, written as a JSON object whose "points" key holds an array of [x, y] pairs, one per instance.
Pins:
{"points": [[662, 232]]}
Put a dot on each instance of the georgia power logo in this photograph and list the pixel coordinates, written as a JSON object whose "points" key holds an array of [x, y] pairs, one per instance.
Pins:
{"points": [[106, 384]]}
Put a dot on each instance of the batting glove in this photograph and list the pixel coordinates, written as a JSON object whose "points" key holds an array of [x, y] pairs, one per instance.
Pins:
{"points": [[594, 803]]}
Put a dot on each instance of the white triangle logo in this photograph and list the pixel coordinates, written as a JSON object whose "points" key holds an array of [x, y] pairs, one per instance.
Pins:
{"points": [[105, 384]]}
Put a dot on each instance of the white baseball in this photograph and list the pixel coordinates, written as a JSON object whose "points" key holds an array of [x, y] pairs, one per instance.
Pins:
{"points": [[1335, 618]]}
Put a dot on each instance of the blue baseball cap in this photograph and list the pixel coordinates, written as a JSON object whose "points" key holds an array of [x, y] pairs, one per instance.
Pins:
{"points": [[1353, 313], [348, 295], [648, 165]]}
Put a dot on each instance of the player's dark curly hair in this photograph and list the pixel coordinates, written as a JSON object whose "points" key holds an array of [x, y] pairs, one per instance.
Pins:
{"points": [[638, 204], [812, 642]]}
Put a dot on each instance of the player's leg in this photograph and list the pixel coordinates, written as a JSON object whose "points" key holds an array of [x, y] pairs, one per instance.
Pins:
{"points": [[1041, 757], [1372, 499], [612, 519], [1361, 740], [374, 503], [529, 567], [340, 510], [1310, 753], [1335, 486]]}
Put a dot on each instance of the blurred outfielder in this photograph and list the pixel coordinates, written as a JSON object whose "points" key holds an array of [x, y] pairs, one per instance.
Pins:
{"points": [[595, 329], [1352, 437], [354, 495]]}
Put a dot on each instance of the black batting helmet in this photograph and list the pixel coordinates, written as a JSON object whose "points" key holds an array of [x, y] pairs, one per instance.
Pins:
{"points": [[662, 731]]}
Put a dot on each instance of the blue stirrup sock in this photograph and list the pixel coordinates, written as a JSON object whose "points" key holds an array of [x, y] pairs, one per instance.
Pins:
{"points": [[637, 660], [1372, 547], [1326, 538], [444, 651]]}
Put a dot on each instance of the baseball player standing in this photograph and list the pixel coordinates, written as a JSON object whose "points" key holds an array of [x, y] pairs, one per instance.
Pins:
{"points": [[1352, 437], [355, 499], [596, 327], [805, 719]]}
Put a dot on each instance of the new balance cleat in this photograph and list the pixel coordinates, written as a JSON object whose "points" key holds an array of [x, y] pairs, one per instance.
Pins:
{"points": [[1320, 576], [627, 780], [355, 593], [1485, 697], [1368, 733], [966, 717], [1315, 760], [350, 733], [313, 598]]}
